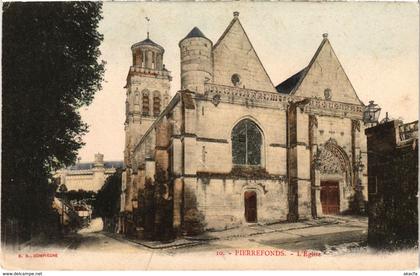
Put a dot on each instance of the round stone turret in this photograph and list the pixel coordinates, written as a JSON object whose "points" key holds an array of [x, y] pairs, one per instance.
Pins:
{"points": [[148, 54], [196, 61]]}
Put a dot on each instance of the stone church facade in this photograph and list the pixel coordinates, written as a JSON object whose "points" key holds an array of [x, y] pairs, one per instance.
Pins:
{"points": [[232, 148]]}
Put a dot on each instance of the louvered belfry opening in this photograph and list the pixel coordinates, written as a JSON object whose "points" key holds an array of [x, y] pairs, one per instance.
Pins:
{"points": [[145, 104], [156, 105]]}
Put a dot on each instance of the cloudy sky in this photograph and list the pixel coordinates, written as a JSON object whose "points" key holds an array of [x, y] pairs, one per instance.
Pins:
{"points": [[377, 44]]}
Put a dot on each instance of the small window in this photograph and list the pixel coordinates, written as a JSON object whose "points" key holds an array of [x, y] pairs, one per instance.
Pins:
{"points": [[327, 94], [236, 79]]}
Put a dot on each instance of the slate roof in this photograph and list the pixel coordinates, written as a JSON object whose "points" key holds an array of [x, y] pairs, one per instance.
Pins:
{"points": [[195, 32], [147, 41], [288, 85], [81, 166], [113, 164], [90, 165]]}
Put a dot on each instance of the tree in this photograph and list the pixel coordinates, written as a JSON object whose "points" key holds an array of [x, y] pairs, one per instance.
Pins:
{"points": [[107, 203], [50, 70], [79, 196]]}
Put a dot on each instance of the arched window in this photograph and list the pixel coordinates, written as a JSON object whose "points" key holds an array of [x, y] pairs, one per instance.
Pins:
{"points": [[156, 104], [145, 103], [246, 143]]}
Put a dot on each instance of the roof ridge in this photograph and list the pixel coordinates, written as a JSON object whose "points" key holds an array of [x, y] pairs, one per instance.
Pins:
{"points": [[225, 32], [324, 40], [321, 46], [236, 18]]}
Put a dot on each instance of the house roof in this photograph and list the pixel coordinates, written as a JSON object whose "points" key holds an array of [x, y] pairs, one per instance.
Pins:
{"points": [[289, 84], [90, 165]]}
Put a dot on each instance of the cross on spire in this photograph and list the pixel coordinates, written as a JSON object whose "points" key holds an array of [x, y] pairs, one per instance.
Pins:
{"points": [[148, 22]]}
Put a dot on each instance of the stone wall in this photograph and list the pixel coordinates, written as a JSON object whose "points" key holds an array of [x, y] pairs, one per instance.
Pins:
{"points": [[221, 201], [212, 124], [393, 187]]}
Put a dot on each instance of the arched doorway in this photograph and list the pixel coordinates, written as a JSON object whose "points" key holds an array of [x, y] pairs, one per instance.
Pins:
{"points": [[335, 175], [250, 198]]}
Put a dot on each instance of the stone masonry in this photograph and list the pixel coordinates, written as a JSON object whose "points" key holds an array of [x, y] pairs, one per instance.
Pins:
{"points": [[230, 148]]}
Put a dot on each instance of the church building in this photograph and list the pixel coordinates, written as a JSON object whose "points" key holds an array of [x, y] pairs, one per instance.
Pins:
{"points": [[231, 148]]}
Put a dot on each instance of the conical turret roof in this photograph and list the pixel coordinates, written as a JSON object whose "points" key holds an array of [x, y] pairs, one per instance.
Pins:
{"points": [[195, 32]]}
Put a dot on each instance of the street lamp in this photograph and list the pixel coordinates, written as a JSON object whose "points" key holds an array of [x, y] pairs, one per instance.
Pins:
{"points": [[371, 113], [358, 168]]}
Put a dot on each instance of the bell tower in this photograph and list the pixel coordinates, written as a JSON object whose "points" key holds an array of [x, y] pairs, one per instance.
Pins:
{"points": [[147, 91]]}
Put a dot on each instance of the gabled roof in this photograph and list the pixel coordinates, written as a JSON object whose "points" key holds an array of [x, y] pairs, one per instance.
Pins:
{"points": [[302, 79], [310, 65], [288, 85], [228, 29]]}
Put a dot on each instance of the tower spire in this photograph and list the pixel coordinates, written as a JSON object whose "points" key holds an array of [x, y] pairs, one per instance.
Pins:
{"points": [[148, 22]]}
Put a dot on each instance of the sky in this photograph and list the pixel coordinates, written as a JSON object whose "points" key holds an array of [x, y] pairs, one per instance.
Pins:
{"points": [[377, 43]]}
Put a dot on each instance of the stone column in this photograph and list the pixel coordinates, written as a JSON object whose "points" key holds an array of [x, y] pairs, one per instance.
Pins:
{"points": [[303, 165], [291, 164], [158, 62], [357, 177], [178, 204], [149, 57], [138, 57], [298, 158], [315, 177]]}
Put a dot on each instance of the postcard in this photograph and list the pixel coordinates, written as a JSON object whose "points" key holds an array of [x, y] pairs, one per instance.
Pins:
{"points": [[210, 136]]}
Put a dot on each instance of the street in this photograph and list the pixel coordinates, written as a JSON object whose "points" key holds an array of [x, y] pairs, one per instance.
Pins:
{"points": [[305, 245]]}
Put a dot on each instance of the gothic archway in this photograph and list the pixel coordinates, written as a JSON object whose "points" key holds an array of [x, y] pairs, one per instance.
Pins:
{"points": [[335, 177], [334, 160]]}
